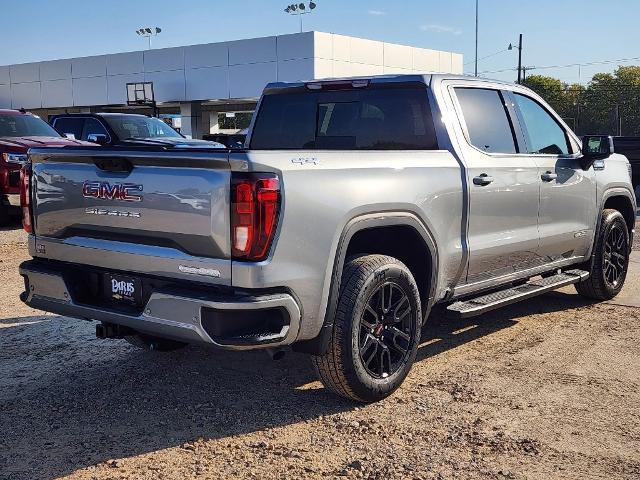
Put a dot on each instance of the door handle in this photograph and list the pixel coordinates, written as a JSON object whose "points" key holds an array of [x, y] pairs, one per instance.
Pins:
{"points": [[482, 180], [549, 176]]}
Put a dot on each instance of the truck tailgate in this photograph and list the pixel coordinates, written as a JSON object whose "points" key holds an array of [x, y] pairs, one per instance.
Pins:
{"points": [[154, 212]]}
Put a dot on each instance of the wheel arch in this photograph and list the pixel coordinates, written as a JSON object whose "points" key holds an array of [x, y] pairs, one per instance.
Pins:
{"points": [[621, 200], [352, 240], [615, 198]]}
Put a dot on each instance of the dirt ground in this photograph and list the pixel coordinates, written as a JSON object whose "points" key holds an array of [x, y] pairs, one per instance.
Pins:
{"points": [[548, 389]]}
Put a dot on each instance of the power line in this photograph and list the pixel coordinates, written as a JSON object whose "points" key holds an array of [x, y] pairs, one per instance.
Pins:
{"points": [[585, 88], [587, 64], [488, 56]]}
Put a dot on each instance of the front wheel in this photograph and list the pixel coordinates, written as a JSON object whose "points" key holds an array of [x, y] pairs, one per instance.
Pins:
{"points": [[376, 330], [610, 261]]}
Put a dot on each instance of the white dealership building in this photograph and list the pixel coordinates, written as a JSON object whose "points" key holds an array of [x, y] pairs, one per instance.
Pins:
{"points": [[212, 87]]}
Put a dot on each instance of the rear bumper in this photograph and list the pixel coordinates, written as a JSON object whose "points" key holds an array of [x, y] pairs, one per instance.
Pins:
{"points": [[231, 321]]}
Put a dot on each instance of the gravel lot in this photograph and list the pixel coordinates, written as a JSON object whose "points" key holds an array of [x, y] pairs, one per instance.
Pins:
{"points": [[546, 389]]}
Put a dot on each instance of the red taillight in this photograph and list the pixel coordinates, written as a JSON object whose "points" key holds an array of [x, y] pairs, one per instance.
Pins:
{"points": [[25, 197], [255, 204]]}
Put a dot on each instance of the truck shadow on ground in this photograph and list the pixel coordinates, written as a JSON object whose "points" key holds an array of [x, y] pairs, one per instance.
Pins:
{"points": [[68, 400], [13, 224], [441, 334]]}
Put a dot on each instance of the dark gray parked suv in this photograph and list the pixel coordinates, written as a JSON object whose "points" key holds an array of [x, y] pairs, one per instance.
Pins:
{"points": [[123, 129]]}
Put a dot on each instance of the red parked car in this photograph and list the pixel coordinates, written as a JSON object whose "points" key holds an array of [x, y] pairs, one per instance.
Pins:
{"points": [[19, 131]]}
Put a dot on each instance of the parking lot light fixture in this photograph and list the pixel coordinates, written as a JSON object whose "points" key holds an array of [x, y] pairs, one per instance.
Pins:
{"points": [[301, 9], [148, 32]]}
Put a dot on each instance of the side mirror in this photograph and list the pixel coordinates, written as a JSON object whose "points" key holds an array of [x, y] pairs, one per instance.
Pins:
{"points": [[98, 138], [595, 147], [70, 136]]}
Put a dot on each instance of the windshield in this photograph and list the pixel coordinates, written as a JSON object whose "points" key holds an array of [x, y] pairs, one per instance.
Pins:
{"points": [[127, 126], [25, 126]]}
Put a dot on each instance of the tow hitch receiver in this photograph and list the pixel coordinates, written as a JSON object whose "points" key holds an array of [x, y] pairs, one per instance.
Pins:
{"points": [[111, 330]]}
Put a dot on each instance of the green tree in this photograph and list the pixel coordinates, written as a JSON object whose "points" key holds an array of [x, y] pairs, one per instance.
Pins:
{"points": [[612, 102], [609, 104], [599, 103]]}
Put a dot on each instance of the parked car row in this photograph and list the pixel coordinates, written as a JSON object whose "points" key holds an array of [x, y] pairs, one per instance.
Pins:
{"points": [[21, 130], [123, 130]]}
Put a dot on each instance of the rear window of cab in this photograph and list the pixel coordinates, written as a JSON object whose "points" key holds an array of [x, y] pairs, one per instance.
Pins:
{"points": [[371, 119]]}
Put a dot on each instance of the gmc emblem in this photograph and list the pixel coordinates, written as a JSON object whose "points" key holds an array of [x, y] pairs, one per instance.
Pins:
{"points": [[106, 191]]}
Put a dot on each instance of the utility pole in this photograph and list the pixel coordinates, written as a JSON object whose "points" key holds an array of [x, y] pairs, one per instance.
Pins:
{"points": [[476, 74], [524, 72], [520, 60]]}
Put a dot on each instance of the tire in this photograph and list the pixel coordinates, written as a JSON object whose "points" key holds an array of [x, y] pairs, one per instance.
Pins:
{"points": [[368, 356], [156, 344], [608, 268]]}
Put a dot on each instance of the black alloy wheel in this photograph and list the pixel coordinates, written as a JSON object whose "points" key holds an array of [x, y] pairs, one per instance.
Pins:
{"points": [[616, 253], [610, 258], [386, 330], [376, 330]]}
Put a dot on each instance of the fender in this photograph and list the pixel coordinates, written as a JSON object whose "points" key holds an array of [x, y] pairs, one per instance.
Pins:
{"points": [[611, 192], [318, 345]]}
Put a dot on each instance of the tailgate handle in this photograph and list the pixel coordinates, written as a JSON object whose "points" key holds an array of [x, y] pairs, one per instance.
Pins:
{"points": [[113, 164]]}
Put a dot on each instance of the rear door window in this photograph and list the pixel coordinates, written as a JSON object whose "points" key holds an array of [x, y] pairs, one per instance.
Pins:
{"points": [[372, 119], [70, 126], [488, 124]]}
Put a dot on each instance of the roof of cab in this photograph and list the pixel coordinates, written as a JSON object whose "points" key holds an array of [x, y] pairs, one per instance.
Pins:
{"points": [[100, 114], [424, 78]]}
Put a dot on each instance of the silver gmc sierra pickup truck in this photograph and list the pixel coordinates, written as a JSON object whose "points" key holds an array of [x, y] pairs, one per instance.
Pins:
{"points": [[357, 205]]}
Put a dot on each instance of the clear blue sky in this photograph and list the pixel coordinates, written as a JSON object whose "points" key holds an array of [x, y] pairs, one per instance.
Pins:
{"points": [[557, 32]]}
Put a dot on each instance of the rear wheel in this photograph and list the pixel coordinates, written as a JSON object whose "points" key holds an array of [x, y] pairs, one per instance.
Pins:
{"points": [[608, 269], [376, 330], [149, 342]]}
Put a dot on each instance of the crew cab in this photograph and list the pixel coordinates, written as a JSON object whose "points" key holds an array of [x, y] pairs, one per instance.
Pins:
{"points": [[358, 205], [123, 129], [19, 131]]}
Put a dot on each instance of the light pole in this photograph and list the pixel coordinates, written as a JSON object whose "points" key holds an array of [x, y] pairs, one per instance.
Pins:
{"points": [[300, 9], [148, 32], [476, 74], [519, 47]]}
